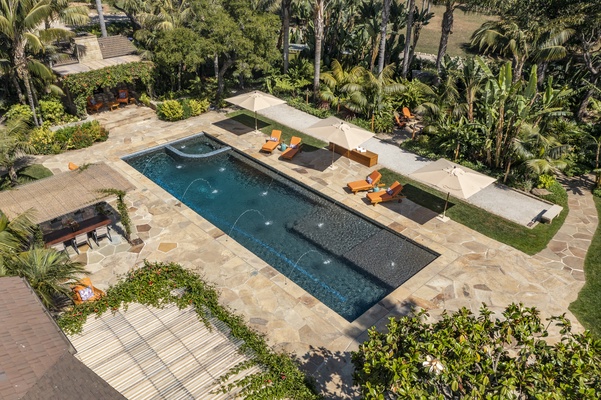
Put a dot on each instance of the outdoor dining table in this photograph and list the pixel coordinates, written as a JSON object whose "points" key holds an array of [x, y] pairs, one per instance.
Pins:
{"points": [[69, 232]]}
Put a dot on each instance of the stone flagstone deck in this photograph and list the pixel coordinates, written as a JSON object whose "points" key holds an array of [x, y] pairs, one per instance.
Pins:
{"points": [[471, 270]]}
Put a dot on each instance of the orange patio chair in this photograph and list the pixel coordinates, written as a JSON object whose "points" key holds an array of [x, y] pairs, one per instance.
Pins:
{"points": [[273, 141], [407, 114], [399, 123], [295, 145], [84, 291], [370, 182], [123, 96], [93, 104], [393, 193]]}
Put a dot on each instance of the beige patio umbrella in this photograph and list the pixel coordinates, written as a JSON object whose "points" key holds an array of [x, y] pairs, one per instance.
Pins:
{"points": [[255, 101], [453, 178], [340, 133]]}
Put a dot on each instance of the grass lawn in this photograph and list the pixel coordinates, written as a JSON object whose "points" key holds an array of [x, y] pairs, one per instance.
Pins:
{"points": [[464, 25], [530, 241], [587, 308], [266, 126]]}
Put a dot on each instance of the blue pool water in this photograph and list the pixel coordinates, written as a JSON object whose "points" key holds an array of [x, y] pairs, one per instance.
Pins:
{"points": [[345, 260]]}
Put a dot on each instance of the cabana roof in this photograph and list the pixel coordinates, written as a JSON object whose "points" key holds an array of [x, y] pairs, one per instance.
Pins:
{"points": [[62, 193]]}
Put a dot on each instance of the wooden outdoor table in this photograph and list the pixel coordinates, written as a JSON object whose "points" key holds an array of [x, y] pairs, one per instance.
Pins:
{"points": [[366, 158], [67, 233]]}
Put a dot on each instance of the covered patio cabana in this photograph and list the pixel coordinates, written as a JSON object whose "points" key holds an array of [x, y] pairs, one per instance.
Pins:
{"points": [[62, 193]]}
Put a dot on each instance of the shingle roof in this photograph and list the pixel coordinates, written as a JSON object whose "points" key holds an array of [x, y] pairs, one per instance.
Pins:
{"points": [[36, 360], [116, 46]]}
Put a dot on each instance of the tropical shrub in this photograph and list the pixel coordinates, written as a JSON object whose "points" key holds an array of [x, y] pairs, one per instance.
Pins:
{"points": [[20, 111], [170, 110], [545, 181], [53, 113], [383, 121], [558, 194], [44, 141], [597, 192], [175, 110], [145, 99], [198, 107], [478, 356]]}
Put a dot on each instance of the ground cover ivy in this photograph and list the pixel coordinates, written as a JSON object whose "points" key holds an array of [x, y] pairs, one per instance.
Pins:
{"points": [[160, 284]]}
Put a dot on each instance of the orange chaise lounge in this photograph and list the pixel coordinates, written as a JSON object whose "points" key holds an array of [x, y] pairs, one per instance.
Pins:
{"points": [[273, 141], [370, 182], [290, 152], [393, 193], [84, 291]]}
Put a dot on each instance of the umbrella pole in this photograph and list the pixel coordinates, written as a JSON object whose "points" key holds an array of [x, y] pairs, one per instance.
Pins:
{"points": [[332, 166], [446, 203], [256, 121]]}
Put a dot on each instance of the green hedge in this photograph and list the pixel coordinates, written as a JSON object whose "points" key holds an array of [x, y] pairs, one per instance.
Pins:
{"points": [[45, 141], [157, 284]]}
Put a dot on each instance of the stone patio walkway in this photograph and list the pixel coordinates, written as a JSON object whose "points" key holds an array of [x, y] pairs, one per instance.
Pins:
{"points": [[472, 269], [567, 250]]}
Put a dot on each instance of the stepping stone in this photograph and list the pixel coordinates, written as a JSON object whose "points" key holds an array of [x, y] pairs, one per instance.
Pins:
{"points": [[167, 247]]}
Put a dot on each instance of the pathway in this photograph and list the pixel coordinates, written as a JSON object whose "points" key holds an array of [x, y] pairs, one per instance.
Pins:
{"points": [[497, 199], [568, 247]]}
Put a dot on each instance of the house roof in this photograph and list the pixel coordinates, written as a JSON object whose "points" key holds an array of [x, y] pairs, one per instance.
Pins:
{"points": [[36, 358], [116, 46]]}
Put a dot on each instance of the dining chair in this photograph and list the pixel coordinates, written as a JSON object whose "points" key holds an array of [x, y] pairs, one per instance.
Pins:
{"points": [[102, 232], [80, 239], [59, 247]]}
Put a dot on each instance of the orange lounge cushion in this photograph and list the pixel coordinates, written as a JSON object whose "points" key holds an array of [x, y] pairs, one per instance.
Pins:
{"points": [[290, 152], [72, 167], [270, 146]]}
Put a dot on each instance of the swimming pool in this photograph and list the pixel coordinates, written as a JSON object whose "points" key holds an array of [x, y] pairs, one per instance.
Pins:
{"points": [[345, 260]]}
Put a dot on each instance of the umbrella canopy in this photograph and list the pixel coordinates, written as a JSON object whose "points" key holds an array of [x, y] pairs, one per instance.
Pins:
{"points": [[340, 133], [454, 179], [254, 101]]}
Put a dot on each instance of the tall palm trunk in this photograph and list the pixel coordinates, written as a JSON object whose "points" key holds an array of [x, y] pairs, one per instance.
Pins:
{"points": [[286, 4], [385, 17], [406, 55], [319, 11], [15, 82], [447, 29], [101, 18]]}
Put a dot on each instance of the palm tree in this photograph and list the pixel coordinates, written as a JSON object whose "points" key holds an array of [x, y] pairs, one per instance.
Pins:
{"points": [[447, 24], [335, 80], [48, 272], [13, 146], [15, 233], [319, 7], [286, 6], [101, 18], [385, 16], [372, 92], [20, 22], [410, 10]]}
